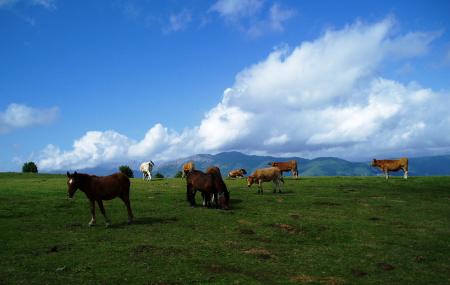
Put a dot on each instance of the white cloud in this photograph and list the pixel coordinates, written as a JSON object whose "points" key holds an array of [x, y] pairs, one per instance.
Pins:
{"points": [[48, 4], [321, 98], [278, 16], [249, 16], [21, 116], [234, 9], [178, 22]]}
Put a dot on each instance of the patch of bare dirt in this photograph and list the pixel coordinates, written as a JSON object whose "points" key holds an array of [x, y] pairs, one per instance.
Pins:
{"points": [[326, 203], [358, 273], [247, 231], [321, 280], [287, 228], [385, 266], [260, 253], [295, 216]]}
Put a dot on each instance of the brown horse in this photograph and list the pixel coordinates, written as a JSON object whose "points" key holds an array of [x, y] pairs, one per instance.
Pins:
{"points": [[99, 188], [221, 197], [209, 184]]}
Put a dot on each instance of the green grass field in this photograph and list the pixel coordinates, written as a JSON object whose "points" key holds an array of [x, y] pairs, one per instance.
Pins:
{"points": [[330, 230]]}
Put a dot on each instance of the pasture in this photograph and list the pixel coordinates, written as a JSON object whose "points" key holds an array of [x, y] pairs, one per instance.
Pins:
{"points": [[327, 230]]}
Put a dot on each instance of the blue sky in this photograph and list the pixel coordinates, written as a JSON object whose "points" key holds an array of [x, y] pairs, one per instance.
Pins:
{"points": [[85, 83]]}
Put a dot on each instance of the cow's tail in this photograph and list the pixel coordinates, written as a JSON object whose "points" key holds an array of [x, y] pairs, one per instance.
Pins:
{"points": [[282, 179]]}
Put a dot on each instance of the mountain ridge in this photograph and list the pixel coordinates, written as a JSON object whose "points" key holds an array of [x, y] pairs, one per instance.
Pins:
{"points": [[320, 166]]}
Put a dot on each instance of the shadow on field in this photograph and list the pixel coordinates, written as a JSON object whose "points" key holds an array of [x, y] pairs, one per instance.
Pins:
{"points": [[146, 221]]}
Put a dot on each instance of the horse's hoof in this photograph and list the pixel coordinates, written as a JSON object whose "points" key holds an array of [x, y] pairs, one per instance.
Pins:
{"points": [[91, 224], [129, 222], [107, 225]]}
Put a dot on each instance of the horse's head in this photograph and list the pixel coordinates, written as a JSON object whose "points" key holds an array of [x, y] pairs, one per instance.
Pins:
{"points": [[250, 180], [72, 183]]}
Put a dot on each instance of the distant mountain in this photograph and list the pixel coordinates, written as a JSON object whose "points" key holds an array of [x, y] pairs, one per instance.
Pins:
{"points": [[323, 166], [227, 161]]}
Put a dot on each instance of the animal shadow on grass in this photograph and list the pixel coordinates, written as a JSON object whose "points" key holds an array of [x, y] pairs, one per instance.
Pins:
{"points": [[146, 221]]}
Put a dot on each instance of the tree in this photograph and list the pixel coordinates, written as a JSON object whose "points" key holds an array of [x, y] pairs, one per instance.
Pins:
{"points": [[159, 175], [29, 167], [179, 174], [125, 169]]}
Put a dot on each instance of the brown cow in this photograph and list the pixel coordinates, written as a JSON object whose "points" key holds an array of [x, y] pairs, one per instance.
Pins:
{"points": [[265, 175], [237, 173], [290, 165], [392, 165], [188, 166]]}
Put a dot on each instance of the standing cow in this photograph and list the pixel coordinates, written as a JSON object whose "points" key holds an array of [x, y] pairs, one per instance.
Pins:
{"points": [[387, 165], [265, 175], [290, 165], [146, 169]]}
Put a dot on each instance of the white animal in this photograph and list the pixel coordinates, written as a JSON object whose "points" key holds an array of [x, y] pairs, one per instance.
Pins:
{"points": [[146, 169]]}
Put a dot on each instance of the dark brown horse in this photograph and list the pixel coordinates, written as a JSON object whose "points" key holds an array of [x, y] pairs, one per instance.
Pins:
{"points": [[209, 184], [222, 197], [99, 188]]}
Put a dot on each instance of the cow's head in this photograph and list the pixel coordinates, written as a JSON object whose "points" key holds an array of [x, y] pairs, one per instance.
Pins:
{"points": [[250, 180], [270, 163], [72, 183], [374, 162], [243, 171]]}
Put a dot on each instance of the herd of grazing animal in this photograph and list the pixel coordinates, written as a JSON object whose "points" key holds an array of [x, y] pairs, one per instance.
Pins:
{"points": [[210, 184]]}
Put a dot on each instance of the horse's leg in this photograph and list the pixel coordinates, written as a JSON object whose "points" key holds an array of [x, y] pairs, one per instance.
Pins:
{"points": [[190, 194], [126, 199], [92, 222], [102, 209]]}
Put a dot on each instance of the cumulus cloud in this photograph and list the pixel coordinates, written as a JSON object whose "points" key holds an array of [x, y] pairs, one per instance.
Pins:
{"points": [[21, 116], [321, 98]]}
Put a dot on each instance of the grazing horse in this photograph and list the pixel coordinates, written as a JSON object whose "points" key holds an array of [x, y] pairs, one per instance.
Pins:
{"points": [[99, 188], [146, 169], [208, 184], [221, 197]]}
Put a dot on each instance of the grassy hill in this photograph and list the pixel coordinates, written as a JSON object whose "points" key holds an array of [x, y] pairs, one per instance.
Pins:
{"points": [[320, 230]]}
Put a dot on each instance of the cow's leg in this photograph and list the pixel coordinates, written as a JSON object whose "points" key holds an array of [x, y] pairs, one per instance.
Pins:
{"points": [[279, 186], [386, 173], [260, 188], [406, 174], [149, 175], [275, 185], [93, 221], [102, 209], [126, 199]]}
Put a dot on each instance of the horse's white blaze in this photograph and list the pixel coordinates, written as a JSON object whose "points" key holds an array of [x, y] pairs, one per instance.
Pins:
{"points": [[70, 181]]}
